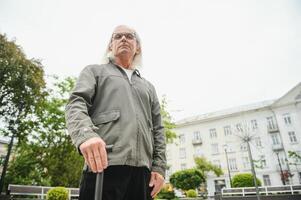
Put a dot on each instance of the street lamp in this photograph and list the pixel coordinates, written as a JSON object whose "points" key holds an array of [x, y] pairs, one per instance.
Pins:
{"points": [[281, 171], [225, 148]]}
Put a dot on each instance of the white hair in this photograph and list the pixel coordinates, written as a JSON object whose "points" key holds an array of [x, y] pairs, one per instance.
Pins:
{"points": [[137, 61]]}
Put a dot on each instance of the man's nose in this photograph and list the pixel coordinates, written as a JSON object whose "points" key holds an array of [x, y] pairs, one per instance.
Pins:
{"points": [[123, 38]]}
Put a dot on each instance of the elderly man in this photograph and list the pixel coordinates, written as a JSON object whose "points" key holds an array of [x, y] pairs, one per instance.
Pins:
{"points": [[112, 104]]}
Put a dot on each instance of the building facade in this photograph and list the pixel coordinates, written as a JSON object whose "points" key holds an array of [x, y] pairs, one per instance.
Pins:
{"points": [[274, 130]]}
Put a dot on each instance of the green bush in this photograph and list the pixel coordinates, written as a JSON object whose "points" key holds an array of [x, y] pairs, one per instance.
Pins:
{"points": [[244, 180], [191, 193], [165, 193], [187, 179], [57, 193]]}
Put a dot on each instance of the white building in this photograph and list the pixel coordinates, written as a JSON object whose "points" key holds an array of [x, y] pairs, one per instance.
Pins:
{"points": [[275, 127]]}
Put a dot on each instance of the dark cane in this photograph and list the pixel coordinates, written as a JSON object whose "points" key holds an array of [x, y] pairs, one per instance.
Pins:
{"points": [[99, 179]]}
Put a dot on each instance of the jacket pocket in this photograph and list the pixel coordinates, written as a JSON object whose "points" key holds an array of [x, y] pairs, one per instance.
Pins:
{"points": [[106, 117], [108, 126]]}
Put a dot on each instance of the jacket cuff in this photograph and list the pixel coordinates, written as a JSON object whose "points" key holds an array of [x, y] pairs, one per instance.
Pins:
{"points": [[84, 135], [160, 170]]}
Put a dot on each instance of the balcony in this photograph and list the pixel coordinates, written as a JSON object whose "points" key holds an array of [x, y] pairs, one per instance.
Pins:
{"points": [[277, 147], [197, 141], [273, 129]]}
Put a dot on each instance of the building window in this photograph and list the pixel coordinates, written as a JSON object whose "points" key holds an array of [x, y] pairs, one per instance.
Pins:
{"points": [[198, 151], [213, 133], [227, 130], [182, 153], [271, 123], [245, 162], [292, 136], [169, 172], [266, 180], [254, 124], [168, 154], [232, 164], [239, 127], [263, 161], [275, 139], [258, 142], [287, 119], [197, 135], [182, 139], [183, 166], [217, 163], [243, 147], [214, 148]]}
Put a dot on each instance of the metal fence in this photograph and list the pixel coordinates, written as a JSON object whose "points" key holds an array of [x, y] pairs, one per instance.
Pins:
{"points": [[266, 190], [37, 191]]}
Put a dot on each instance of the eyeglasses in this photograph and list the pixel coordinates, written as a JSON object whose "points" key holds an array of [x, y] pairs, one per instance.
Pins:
{"points": [[118, 36]]}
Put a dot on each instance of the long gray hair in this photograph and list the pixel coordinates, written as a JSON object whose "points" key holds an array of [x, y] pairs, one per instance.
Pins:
{"points": [[137, 61]]}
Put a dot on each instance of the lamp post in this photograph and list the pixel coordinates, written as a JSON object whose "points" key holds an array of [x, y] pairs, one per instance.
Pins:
{"points": [[280, 167], [226, 153]]}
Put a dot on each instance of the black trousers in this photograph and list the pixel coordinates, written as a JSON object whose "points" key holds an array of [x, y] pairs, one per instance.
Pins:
{"points": [[120, 182]]}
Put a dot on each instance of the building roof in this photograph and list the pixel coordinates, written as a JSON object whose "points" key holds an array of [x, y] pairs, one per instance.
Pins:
{"points": [[224, 113], [292, 95]]}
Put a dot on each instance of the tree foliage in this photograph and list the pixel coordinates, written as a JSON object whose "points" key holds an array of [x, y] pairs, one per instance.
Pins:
{"points": [[206, 166], [167, 122], [21, 88], [48, 157], [187, 179], [294, 155], [244, 180]]}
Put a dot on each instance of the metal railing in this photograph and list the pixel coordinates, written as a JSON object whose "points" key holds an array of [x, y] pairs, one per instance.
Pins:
{"points": [[39, 191], [266, 190]]}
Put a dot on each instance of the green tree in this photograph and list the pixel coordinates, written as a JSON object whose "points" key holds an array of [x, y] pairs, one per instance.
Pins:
{"points": [[170, 135], [21, 89], [244, 180], [49, 157], [187, 179], [206, 166], [294, 155]]}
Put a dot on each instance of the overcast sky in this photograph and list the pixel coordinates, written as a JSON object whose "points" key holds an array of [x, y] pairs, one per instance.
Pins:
{"points": [[203, 55]]}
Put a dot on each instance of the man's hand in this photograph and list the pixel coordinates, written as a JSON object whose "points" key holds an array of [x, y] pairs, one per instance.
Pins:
{"points": [[94, 152], [156, 181]]}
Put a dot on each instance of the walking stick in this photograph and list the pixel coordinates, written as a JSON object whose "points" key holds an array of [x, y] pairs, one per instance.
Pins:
{"points": [[99, 179]]}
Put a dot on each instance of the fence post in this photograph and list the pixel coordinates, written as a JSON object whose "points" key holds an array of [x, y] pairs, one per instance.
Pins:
{"points": [[69, 194], [266, 190], [292, 189], [243, 192], [42, 193]]}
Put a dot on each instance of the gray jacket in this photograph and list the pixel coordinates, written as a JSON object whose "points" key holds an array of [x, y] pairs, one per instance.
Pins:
{"points": [[104, 103]]}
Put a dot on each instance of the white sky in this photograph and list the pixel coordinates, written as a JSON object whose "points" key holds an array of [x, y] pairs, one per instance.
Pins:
{"points": [[204, 55]]}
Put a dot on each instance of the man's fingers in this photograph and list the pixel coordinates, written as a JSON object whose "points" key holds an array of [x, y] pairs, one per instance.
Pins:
{"points": [[155, 189], [91, 160], [97, 160], [103, 155], [152, 180]]}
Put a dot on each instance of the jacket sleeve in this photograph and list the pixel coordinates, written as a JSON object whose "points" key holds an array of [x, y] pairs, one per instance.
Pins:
{"points": [[159, 157], [78, 121]]}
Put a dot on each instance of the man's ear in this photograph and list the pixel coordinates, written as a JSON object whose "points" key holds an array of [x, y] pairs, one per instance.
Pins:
{"points": [[110, 46], [138, 50]]}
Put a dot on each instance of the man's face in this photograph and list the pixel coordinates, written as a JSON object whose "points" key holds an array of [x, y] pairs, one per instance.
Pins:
{"points": [[124, 42]]}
